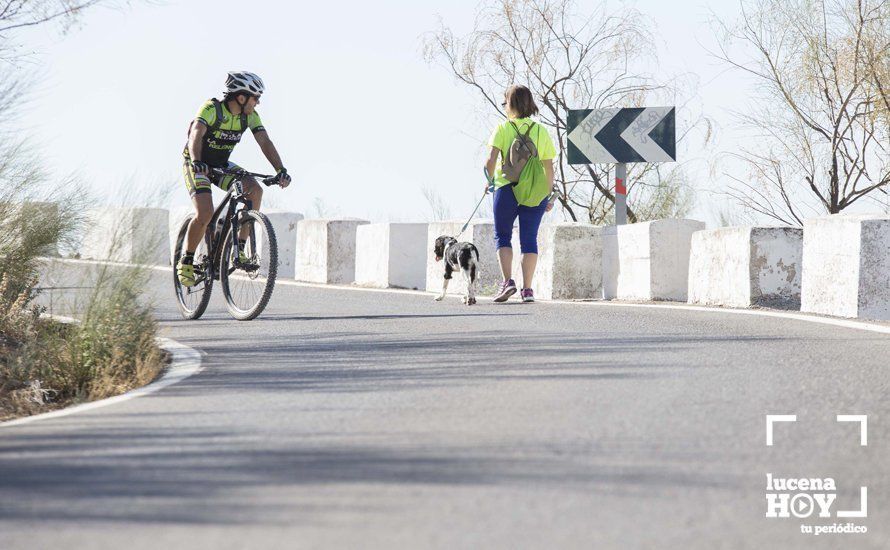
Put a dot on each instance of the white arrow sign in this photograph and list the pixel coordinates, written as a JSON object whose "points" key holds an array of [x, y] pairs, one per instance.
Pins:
{"points": [[637, 134], [584, 135]]}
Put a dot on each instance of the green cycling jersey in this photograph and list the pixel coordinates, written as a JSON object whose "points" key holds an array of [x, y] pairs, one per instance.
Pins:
{"points": [[222, 134]]}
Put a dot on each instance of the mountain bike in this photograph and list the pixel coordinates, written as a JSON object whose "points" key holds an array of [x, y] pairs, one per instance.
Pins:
{"points": [[246, 271]]}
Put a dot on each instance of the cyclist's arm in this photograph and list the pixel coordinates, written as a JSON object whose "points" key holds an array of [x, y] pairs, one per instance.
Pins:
{"points": [[195, 137], [268, 148]]}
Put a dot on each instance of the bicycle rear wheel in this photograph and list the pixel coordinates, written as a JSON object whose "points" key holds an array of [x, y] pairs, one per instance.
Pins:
{"points": [[192, 301], [247, 285]]}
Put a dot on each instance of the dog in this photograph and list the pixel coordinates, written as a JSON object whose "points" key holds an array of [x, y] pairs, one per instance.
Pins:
{"points": [[458, 256]]}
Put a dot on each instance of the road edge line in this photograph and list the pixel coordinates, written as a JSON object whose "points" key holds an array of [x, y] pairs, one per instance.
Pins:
{"points": [[185, 361]]}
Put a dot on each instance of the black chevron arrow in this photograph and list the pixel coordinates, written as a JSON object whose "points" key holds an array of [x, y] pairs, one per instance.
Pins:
{"points": [[610, 136], [665, 135]]}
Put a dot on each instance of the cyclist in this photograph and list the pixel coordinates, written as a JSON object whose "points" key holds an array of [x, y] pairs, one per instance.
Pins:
{"points": [[212, 136]]}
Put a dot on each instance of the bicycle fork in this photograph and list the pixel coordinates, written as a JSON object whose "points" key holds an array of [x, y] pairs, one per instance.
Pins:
{"points": [[235, 221]]}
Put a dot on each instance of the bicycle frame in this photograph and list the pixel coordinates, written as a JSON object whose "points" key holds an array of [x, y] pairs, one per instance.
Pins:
{"points": [[234, 197]]}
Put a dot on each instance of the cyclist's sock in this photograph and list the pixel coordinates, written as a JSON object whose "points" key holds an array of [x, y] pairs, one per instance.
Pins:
{"points": [[188, 258]]}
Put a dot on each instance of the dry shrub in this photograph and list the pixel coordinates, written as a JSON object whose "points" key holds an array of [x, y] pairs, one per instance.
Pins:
{"points": [[46, 364], [115, 348]]}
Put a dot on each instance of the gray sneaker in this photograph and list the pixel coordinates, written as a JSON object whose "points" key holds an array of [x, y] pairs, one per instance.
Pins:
{"points": [[505, 290]]}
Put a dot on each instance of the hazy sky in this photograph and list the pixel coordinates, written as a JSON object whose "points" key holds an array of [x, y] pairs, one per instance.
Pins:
{"points": [[351, 105]]}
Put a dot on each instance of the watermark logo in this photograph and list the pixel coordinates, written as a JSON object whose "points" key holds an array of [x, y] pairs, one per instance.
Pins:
{"points": [[813, 497]]}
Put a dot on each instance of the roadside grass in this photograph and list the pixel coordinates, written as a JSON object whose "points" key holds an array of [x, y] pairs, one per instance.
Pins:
{"points": [[47, 364]]}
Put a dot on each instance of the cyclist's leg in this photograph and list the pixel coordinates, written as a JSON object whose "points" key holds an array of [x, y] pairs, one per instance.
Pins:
{"points": [[253, 191], [223, 182], [199, 189], [203, 203]]}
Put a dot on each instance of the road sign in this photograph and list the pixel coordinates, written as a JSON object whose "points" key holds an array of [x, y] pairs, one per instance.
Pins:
{"points": [[618, 135]]}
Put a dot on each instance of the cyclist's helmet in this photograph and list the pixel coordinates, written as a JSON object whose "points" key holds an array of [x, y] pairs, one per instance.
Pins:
{"points": [[243, 81]]}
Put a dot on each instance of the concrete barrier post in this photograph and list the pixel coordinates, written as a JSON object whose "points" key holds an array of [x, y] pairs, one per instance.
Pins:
{"points": [[326, 250], [649, 260], [569, 262], [130, 235], [39, 213], [178, 215], [285, 225], [746, 266], [846, 266], [391, 255]]}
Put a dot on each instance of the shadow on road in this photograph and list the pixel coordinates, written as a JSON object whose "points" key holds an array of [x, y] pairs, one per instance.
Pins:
{"points": [[196, 476], [368, 362]]}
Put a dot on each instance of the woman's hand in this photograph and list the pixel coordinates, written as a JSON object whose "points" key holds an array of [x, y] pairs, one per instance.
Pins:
{"points": [[490, 166], [548, 173], [552, 201]]}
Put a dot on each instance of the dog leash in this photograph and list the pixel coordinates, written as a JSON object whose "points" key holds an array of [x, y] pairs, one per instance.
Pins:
{"points": [[478, 204]]}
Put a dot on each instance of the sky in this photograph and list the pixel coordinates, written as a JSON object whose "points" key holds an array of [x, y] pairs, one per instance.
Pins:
{"points": [[362, 122]]}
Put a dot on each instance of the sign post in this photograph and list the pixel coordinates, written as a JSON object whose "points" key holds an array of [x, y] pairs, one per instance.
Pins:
{"points": [[619, 136], [620, 193]]}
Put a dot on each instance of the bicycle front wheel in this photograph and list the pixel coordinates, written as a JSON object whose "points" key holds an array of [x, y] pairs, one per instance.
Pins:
{"points": [[192, 301], [248, 275]]}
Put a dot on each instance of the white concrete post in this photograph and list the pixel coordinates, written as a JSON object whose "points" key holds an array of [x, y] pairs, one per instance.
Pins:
{"points": [[326, 250], [391, 255], [746, 266], [649, 260], [846, 266], [130, 235]]}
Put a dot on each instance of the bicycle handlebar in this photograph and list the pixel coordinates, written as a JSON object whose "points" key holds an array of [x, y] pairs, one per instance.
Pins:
{"points": [[241, 173]]}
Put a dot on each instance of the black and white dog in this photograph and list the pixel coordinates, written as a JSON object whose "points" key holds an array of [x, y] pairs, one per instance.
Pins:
{"points": [[458, 256]]}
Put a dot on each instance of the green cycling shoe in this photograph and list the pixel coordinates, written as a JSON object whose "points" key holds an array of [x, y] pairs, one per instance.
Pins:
{"points": [[247, 263], [186, 274]]}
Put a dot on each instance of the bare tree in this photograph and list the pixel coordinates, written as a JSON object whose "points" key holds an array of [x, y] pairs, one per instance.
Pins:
{"points": [[569, 61], [17, 14], [820, 116], [20, 15]]}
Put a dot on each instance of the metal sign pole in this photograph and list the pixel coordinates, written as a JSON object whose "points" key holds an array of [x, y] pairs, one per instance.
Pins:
{"points": [[620, 193]]}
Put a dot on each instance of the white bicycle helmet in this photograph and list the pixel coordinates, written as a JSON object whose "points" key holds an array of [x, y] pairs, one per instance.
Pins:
{"points": [[243, 81]]}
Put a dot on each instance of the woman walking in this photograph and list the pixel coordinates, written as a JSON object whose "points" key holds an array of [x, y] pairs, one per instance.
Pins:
{"points": [[520, 107]]}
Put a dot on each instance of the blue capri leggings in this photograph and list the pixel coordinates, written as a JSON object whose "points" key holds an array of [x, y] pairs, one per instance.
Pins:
{"points": [[506, 209]]}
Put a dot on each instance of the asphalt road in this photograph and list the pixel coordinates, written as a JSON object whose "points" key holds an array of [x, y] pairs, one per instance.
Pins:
{"points": [[349, 419]]}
